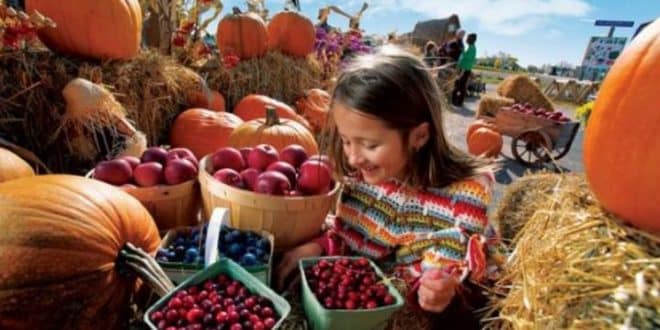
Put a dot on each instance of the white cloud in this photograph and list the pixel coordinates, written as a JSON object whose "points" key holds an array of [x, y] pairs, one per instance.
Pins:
{"points": [[506, 17]]}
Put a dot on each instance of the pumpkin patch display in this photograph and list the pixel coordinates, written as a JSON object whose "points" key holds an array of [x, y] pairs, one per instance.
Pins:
{"points": [[64, 243], [485, 141], [292, 33], [12, 166], [313, 106], [203, 131], [621, 145], [102, 29], [242, 34], [275, 131]]}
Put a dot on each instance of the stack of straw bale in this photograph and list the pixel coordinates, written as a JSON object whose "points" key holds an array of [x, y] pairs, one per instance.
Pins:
{"points": [[523, 90], [490, 104]]}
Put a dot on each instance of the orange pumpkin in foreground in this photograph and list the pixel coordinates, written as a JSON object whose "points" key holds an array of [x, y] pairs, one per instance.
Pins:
{"points": [[292, 33], [621, 143], [103, 29], [203, 131], [485, 141], [274, 131], [60, 237], [477, 124], [313, 106], [242, 34], [12, 166]]}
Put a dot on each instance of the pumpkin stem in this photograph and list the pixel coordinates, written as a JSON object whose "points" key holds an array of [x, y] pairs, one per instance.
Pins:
{"points": [[133, 260], [272, 118], [236, 10]]}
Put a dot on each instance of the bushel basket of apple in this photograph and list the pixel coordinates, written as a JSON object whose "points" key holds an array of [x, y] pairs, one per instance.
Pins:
{"points": [[285, 192]]}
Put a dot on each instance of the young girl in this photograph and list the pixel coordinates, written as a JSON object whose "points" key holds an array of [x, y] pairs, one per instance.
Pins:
{"points": [[410, 200]]}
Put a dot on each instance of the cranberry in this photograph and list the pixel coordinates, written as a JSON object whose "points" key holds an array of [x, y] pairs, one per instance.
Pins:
{"points": [[193, 290], [162, 324], [254, 318], [182, 313], [267, 312], [233, 317], [206, 304], [372, 304], [210, 286], [171, 328], [196, 326], [269, 323], [388, 299], [202, 295], [350, 304], [221, 317], [243, 291], [231, 291], [175, 303], [227, 302], [188, 301], [181, 294], [328, 302], [194, 315], [244, 314], [250, 301], [157, 316], [222, 279], [258, 325], [236, 326], [208, 319], [256, 309]]}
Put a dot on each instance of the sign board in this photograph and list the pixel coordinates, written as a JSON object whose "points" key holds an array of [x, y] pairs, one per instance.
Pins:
{"points": [[600, 55], [600, 22]]}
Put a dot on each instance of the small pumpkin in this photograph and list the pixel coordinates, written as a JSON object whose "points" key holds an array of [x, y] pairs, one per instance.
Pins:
{"points": [[207, 99], [292, 33], [61, 238], [254, 106], [274, 131], [203, 131], [103, 29], [12, 166], [485, 141], [621, 144], [479, 123], [242, 34], [313, 106]]}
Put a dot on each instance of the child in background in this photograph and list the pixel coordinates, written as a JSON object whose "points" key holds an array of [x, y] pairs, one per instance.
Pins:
{"points": [[410, 201]]}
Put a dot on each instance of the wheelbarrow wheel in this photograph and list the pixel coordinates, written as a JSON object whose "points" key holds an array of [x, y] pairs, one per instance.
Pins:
{"points": [[532, 148]]}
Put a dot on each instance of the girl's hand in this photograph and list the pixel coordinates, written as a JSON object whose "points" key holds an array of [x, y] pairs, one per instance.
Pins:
{"points": [[290, 261], [436, 290]]}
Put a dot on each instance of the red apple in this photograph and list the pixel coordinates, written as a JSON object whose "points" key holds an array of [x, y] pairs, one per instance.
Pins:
{"points": [[179, 170], [272, 183], [295, 193], [182, 153], [315, 177], [154, 154], [228, 158], [293, 154], [229, 176], [148, 174], [249, 176], [116, 172], [245, 151], [286, 169], [132, 160], [324, 158], [262, 155]]}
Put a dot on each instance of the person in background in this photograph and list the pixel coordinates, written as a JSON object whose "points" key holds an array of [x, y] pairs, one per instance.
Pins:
{"points": [[430, 54], [465, 64], [410, 200], [452, 49]]}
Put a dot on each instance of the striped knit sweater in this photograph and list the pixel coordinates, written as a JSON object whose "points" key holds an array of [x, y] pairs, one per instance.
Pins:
{"points": [[415, 230]]}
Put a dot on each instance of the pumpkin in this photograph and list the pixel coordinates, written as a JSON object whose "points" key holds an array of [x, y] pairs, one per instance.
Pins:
{"points": [[207, 99], [254, 106], [242, 34], [621, 144], [274, 131], [485, 141], [313, 106], [61, 238], [12, 166], [292, 33], [476, 125], [203, 131], [103, 29]]}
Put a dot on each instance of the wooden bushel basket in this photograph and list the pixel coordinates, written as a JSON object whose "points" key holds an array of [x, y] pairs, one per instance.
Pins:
{"points": [[291, 220], [170, 206]]}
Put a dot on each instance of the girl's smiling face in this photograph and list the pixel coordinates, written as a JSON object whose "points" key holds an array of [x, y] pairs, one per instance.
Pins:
{"points": [[370, 147]]}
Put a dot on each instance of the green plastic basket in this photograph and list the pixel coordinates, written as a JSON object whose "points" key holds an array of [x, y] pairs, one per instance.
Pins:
{"points": [[321, 318], [235, 272]]}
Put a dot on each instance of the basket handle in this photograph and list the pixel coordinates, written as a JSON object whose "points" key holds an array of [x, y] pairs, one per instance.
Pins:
{"points": [[219, 218]]}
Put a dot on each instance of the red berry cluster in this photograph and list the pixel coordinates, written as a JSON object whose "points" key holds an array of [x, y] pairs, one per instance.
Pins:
{"points": [[221, 303], [16, 27], [347, 284]]}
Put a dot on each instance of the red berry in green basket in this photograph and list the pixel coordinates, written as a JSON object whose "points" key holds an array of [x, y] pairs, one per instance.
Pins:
{"points": [[194, 315], [269, 323], [174, 303], [172, 315], [350, 304], [258, 326], [388, 299], [157, 316], [221, 317], [372, 304], [234, 317], [267, 312]]}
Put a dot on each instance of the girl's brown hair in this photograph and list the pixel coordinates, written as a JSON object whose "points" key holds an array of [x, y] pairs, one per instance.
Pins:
{"points": [[396, 87]]}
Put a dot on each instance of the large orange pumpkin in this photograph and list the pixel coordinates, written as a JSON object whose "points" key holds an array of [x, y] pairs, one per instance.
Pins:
{"points": [[12, 166], [274, 131], [104, 29], [476, 125], [242, 34], [60, 240], [485, 141], [292, 33], [621, 143], [203, 131], [254, 106], [313, 106]]}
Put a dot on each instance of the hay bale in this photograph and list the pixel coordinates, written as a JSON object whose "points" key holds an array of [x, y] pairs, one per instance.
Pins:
{"points": [[522, 89], [573, 265], [490, 104], [277, 75], [152, 88]]}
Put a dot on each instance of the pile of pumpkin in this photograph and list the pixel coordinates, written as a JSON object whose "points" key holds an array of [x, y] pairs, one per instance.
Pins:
{"points": [[483, 139]]}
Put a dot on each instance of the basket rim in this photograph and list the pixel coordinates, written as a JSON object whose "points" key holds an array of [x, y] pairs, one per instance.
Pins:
{"points": [[161, 187]]}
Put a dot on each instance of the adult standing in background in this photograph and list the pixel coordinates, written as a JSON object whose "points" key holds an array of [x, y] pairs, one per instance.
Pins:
{"points": [[465, 64], [451, 50]]}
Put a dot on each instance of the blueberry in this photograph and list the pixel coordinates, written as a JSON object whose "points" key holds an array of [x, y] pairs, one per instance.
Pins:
{"points": [[251, 249], [228, 237], [162, 258], [248, 259], [180, 240], [235, 249], [199, 260], [192, 253], [260, 254], [263, 244], [171, 255], [162, 252], [180, 251], [237, 236]]}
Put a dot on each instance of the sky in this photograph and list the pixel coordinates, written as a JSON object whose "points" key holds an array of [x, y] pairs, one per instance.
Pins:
{"points": [[536, 32]]}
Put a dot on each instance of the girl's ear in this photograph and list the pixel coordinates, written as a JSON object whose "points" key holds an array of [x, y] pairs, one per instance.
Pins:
{"points": [[419, 136]]}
